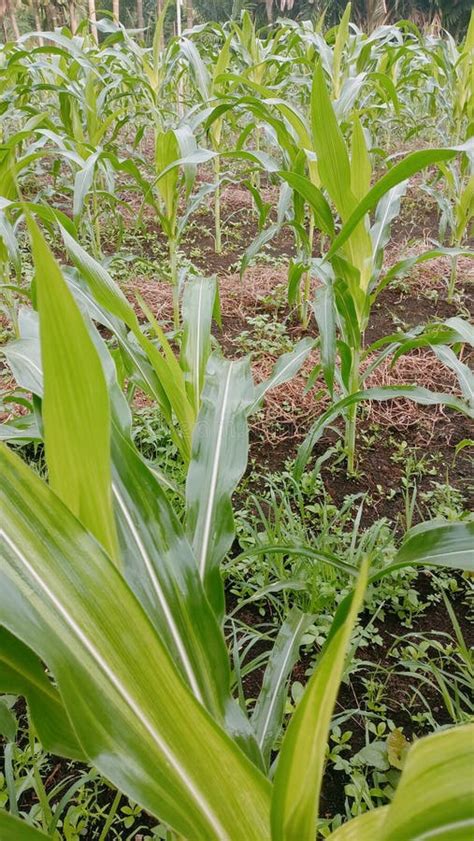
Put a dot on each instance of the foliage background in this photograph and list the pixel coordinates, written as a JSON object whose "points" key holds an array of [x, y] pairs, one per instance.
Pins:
{"points": [[452, 14]]}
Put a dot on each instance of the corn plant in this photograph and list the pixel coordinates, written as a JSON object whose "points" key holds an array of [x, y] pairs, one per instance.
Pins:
{"points": [[145, 358], [101, 582], [211, 87], [351, 270], [453, 190], [460, 72], [292, 130]]}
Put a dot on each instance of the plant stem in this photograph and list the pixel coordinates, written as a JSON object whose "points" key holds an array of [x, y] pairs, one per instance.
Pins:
{"points": [[46, 814], [307, 278], [256, 175], [217, 206], [95, 206], [174, 280], [351, 419], [111, 816], [10, 779], [452, 278]]}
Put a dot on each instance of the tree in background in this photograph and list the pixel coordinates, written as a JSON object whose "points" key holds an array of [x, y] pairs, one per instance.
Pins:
{"points": [[8, 17], [26, 15]]}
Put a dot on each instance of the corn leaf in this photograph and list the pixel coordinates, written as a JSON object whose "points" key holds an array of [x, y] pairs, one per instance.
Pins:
{"points": [[410, 165], [21, 673], [286, 367], [437, 543], [134, 717], [366, 827], [269, 709], [301, 761], [198, 305], [22, 356], [220, 449], [416, 393], [331, 151], [435, 795], [14, 829], [75, 408], [161, 569], [314, 197], [324, 312], [361, 169]]}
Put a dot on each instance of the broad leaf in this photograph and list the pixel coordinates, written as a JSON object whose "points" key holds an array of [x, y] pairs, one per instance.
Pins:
{"points": [[299, 773], [21, 673], [286, 367], [135, 718], [268, 712], [435, 795], [76, 405], [219, 459], [410, 165], [197, 309], [14, 829]]}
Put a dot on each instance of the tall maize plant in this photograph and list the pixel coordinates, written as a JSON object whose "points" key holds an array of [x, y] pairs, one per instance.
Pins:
{"points": [[351, 270], [102, 583]]}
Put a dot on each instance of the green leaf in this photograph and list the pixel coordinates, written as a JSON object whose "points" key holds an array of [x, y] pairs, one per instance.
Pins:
{"points": [[416, 393], [269, 709], [286, 367], [463, 372], [331, 151], [436, 543], [387, 210], [161, 569], [410, 165], [14, 829], [361, 169], [104, 289], [298, 550], [324, 312], [135, 718], [172, 379], [83, 183], [260, 240], [318, 204], [167, 153], [75, 407], [166, 382], [8, 723], [342, 37], [197, 309], [219, 459], [366, 827], [299, 772], [435, 795], [21, 673], [22, 358]]}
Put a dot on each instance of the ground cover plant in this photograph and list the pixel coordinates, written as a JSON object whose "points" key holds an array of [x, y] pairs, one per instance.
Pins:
{"points": [[236, 430]]}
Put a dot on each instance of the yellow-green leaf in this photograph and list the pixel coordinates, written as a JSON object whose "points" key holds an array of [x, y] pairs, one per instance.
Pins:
{"points": [[76, 411]]}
